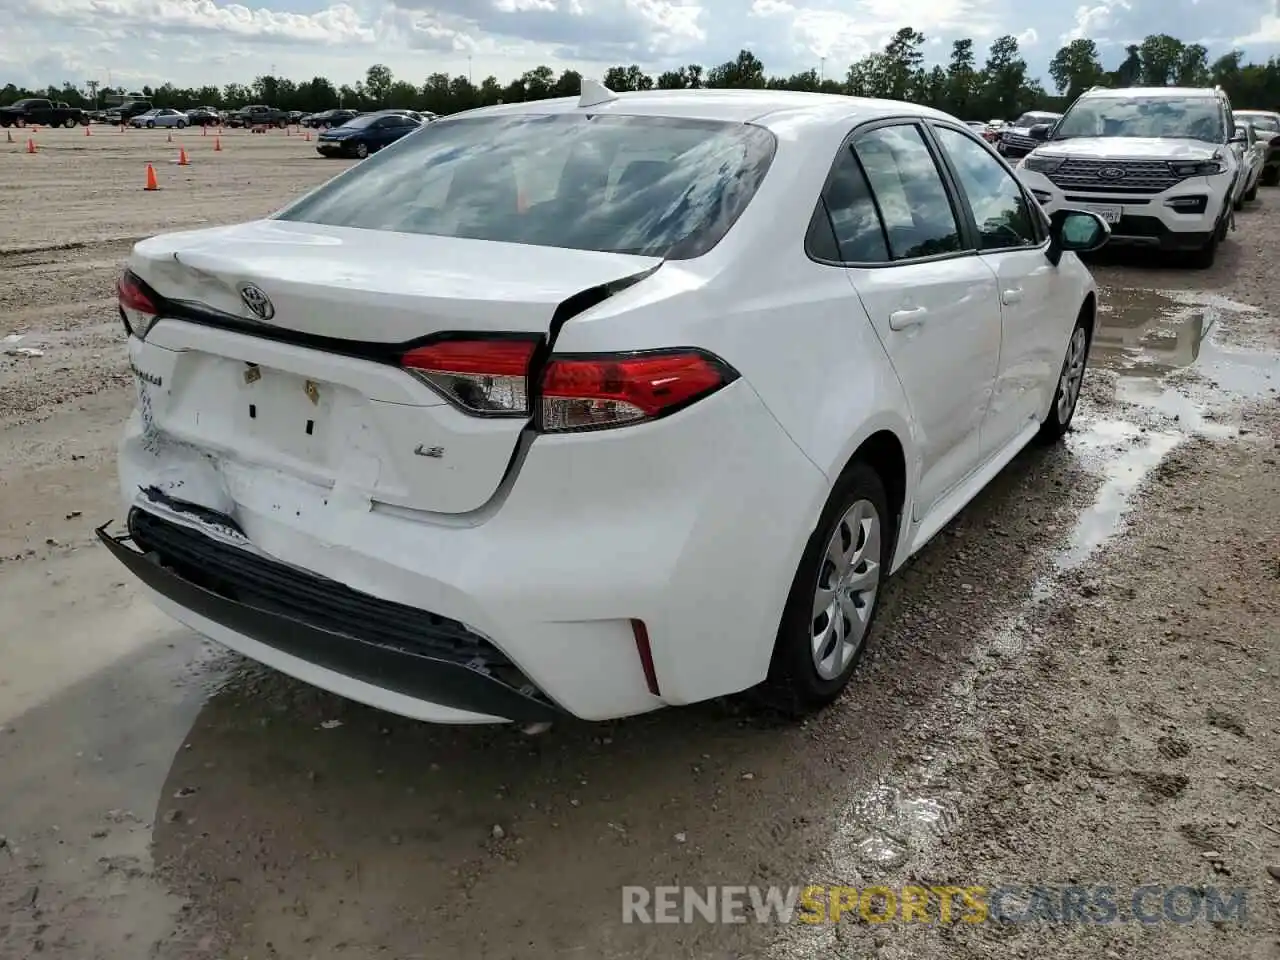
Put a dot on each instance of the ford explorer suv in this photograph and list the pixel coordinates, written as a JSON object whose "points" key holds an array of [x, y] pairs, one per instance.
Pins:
{"points": [[1266, 125], [1160, 164]]}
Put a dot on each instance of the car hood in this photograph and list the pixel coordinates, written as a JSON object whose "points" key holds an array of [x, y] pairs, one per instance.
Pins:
{"points": [[1130, 148]]}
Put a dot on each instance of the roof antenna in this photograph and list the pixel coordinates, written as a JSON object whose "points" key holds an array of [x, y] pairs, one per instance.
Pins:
{"points": [[595, 93]]}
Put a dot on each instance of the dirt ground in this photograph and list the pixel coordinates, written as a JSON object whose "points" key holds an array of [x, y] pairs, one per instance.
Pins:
{"points": [[1074, 684]]}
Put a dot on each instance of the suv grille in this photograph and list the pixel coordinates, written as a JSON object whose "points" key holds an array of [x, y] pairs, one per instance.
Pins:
{"points": [[1020, 142], [1138, 176]]}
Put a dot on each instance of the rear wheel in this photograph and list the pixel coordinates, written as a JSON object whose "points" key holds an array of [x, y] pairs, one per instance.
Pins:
{"points": [[1070, 380], [1252, 193], [151, 124], [70, 123], [833, 600], [182, 124]]}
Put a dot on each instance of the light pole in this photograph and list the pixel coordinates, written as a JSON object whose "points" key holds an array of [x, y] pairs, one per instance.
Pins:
{"points": [[822, 69], [469, 81]]}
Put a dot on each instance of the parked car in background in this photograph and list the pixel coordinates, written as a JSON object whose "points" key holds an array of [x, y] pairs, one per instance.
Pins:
{"points": [[34, 111], [204, 117], [1266, 126], [295, 117], [258, 116], [160, 117], [330, 118], [365, 134], [1253, 157], [1016, 141], [122, 114], [364, 425], [1157, 163]]}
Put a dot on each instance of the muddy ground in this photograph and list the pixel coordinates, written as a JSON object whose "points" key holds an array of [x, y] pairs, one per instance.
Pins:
{"points": [[1075, 684]]}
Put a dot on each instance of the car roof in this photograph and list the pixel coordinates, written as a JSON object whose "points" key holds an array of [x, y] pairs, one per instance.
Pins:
{"points": [[1259, 113], [1153, 93], [769, 108]]}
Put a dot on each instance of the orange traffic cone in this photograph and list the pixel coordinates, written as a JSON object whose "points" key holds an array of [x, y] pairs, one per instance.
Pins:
{"points": [[217, 144], [8, 136], [31, 144], [288, 132], [182, 157], [308, 136], [87, 132], [170, 138], [204, 129], [151, 179]]}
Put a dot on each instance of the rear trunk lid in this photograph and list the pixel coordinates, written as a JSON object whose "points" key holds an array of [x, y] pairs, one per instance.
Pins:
{"points": [[308, 383]]}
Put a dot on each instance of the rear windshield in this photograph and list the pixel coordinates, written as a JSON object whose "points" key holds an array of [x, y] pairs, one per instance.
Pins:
{"points": [[655, 186]]}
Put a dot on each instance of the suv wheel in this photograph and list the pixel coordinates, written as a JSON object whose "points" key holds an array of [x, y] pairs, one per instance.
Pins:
{"points": [[1204, 258]]}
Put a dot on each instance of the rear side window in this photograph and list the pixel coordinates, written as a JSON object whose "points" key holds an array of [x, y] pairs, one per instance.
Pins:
{"points": [[913, 203], [855, 228], [645, 185]]}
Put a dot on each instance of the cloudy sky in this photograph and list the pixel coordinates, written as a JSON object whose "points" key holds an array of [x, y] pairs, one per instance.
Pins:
{"points": [[191, 42]]}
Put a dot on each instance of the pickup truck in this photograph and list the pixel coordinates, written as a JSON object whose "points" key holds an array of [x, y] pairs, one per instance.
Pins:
{"points": [[258, 116], [122, 114], [33, 111]]}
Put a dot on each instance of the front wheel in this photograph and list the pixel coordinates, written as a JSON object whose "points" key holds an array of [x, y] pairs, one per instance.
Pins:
{"points": [[362, 150], [1205, 257], [1252, 193], [1065, 397], [182, 124], [832, 603], [71, 123], [151, 124]]}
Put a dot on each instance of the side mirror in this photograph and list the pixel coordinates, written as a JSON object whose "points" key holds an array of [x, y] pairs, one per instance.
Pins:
{"points": [[1079, 231], [1040, 132], [1239, 137]]}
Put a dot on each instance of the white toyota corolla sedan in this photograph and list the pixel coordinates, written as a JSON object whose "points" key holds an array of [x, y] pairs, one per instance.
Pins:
{"points": [[588, 407]]}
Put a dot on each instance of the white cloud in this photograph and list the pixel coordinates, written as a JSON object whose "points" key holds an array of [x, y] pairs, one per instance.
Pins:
{"points": [[1028, 37], [1092, 22]]}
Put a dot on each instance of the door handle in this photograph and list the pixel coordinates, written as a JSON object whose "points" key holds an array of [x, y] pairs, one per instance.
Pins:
{"points": [[1011, 296], [905, 319]]}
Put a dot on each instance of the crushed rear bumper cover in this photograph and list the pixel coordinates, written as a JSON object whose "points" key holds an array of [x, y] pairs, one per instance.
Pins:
{"points": [[398, 648]]}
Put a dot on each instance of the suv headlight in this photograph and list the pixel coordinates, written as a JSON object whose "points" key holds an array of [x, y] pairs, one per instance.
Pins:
{"points": [[1198, 168], [1039, 164]]}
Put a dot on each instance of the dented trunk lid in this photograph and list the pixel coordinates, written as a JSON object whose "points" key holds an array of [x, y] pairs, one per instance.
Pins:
{"points": [[308, 386]]}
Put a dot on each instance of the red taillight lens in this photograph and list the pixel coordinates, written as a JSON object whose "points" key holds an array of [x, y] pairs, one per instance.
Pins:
{"points": [[589, 393], [485, 377], [138, 308]]}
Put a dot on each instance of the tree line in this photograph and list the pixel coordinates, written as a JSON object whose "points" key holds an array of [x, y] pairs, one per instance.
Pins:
{"points": [[999, 87]]}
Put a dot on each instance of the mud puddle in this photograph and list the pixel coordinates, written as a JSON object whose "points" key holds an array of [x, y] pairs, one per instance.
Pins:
{"points": [[1164, 349]]}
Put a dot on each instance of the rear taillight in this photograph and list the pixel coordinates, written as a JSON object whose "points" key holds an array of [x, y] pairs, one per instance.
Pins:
{"points": [[596, 392], [138, 307], [484, 377]]}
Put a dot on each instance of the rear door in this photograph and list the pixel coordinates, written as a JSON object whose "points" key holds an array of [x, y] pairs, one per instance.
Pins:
{"points": [[1013, 242], [932, 300]]}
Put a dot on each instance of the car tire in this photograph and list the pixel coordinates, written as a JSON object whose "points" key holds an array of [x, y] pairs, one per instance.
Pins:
{"points": [[151, 124], [1270, 176], [71, 123], [1205, 257], [182, 124], [1252, 193], [827, 620], [1066, 396], [361, 151]]}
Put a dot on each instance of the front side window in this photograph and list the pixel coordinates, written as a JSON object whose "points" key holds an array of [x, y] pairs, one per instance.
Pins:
{"points": [[1184, 118], [653, 186], [999, 207], [917, 214], [1261, 121]]}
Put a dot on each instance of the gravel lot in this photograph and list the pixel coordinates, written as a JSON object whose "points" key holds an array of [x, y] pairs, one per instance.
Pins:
{"points": [[1074, 684]]}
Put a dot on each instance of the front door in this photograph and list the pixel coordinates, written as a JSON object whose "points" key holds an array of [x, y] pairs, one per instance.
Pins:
{"points": [[1013, 242]]}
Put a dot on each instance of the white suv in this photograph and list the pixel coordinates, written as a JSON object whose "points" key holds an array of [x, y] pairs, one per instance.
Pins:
{"points": [[1158, 164]]}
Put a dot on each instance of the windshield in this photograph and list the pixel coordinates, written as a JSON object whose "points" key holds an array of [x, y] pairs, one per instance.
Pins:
{"points": [[1188, 118], [1260, 121], [1031, 119], [644, 185], [359, 123]]}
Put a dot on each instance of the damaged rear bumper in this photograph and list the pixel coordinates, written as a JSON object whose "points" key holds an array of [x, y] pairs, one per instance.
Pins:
{"points": [[318, 623]]}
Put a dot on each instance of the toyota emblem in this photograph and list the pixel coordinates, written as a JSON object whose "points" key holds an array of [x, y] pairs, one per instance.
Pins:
{"points": [[259, 303], [1111, 173]]}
